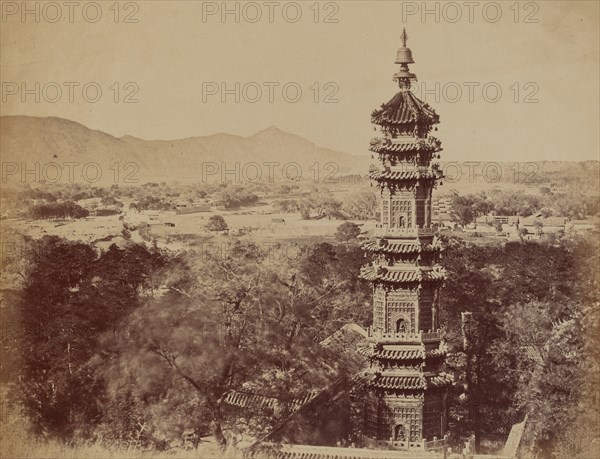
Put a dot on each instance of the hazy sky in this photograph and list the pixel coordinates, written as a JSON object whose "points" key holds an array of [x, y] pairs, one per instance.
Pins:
{"points": [[174, 56]]}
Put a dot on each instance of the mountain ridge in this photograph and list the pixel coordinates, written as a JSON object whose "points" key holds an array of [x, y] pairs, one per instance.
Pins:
{"points": [[32, 140]]}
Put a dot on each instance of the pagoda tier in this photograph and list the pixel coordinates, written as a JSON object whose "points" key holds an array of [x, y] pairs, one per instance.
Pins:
{"points": [[403, 276], [407, 405], [402, 247], [404, 109], [396, 147], [412, 382]]}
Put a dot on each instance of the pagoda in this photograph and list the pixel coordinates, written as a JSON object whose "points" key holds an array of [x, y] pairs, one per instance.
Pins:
{"points": [[406, 406]]}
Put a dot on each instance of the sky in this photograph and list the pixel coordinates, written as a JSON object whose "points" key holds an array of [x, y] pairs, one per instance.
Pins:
{"points": [[511, 81]]}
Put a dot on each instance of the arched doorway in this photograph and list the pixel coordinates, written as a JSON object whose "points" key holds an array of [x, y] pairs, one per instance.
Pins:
{"points": [[401, 326], [399, 433]]}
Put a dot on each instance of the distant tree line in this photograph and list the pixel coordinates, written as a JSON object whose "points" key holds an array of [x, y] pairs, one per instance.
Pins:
{"points": [[466, 209], [360, 205], [67, 209]]}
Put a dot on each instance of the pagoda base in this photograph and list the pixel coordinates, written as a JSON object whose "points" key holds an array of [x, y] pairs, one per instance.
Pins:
{"points": [[406, 420]]}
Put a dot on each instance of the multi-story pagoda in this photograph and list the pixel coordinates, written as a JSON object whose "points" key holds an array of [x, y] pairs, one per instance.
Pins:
{"points": [[407, 406]]}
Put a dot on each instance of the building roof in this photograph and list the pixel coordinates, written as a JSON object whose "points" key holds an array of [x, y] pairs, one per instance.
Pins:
{"points": [[399, 382], [405, 108], [431, 144], [549, 221], [404, 175], [403, 354], [344, 344], [331, 452], [411, 382], [399, 354], [385, 246], [385, 274]]}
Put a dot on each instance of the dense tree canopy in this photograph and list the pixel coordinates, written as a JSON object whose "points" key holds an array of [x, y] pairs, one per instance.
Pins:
{"points": [[133, 343], [534, 308]]}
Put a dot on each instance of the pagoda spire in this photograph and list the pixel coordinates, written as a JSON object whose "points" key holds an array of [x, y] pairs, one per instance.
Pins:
{"points": [[404, 37], [404, 57]]}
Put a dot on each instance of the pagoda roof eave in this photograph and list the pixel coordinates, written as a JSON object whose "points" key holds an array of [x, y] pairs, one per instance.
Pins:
{"points": [[404, 109], [383, 274], [429, 145], [402, 247]]}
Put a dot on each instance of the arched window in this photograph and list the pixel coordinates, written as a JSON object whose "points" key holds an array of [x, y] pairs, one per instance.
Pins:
{"points": [[401, 326], [399, 433], [401, 222]]}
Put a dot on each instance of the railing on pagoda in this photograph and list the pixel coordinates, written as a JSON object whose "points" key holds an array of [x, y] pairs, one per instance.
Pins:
{"points": [[421, 336], [383, 230]]}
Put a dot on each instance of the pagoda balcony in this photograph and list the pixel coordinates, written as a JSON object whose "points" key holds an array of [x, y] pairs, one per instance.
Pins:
{"points": [[392, 337], [383, 231]]}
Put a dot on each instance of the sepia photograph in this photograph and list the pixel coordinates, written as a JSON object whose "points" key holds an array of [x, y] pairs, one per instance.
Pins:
{"points": [[311, 229]]}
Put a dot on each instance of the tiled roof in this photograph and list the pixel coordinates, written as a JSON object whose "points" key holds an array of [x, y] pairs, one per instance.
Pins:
{"points": [[412, 382], [441, 380], [332, 452], [430, 144], [405, 108], [401, 247], [372, 273], [436, 353], [400, 354], [399, 382], [244, 400], [403, 175], [342, 345], [256, 401]]}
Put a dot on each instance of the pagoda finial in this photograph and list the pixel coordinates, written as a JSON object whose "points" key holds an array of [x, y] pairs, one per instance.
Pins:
{"points": [[404, 37], [404, 57]]}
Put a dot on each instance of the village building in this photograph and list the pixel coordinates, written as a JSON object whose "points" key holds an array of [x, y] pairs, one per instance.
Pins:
{"points": [[588, 224], [538, 225]]}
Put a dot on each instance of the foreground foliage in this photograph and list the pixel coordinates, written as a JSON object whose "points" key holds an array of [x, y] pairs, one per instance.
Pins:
{"points": [[139, 347]]}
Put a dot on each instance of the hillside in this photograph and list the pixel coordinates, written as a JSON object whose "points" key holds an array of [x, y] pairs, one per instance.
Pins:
{"points": [[56, 140]]}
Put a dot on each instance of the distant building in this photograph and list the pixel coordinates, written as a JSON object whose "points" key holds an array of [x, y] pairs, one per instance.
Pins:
{"points": [[587, 224], [537, 224], [192, 209], [442, 205], [511, 220]]}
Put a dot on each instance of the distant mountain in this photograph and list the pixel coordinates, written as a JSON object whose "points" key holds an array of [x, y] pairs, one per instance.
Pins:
{"points": [[43, 143]]}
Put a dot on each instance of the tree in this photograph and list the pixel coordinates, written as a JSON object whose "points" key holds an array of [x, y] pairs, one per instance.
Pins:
{"points": [[71, 297], [347, 231], [67, 209], [217, 223], [361, 205], [230, 323], [508, 299], [462, 211], [498, 226], [522, 233]]}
